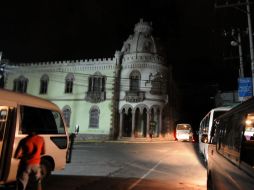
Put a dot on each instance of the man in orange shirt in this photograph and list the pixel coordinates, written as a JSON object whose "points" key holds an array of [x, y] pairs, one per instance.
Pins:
{"points": [[29, 151]]}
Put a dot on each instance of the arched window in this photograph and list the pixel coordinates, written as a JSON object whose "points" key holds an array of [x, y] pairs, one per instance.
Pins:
{"points": [[135, 81], [96, 88], [94, 117], [96, 83], [20, 84], [67, 115], [69, 83], [44, 84]]}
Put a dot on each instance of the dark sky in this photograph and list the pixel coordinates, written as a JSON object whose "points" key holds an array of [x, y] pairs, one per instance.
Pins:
{"points": [[52, 30], [68, 29]]}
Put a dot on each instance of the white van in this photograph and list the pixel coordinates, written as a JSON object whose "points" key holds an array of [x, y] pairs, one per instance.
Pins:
{"points": [[205, 128], [20, 113], [184, 132]]}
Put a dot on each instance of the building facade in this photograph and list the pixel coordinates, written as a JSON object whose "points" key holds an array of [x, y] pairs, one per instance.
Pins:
{"points": [[109, 98]]}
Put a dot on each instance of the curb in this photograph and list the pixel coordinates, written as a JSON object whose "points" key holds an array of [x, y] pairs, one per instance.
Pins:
{"points": [[124, 141]]}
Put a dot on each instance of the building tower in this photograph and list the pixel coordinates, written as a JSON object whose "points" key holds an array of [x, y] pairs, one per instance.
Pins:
{"points": [[143, 85]]}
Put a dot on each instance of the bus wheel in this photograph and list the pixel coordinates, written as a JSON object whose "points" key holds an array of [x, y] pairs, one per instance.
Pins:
{"points": [[46, 168]]}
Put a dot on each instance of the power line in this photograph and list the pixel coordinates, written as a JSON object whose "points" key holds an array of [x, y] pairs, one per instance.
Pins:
{"points": [[85, 74], [84, 82]]}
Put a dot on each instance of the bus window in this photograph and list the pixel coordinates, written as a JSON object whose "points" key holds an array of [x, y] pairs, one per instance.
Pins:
{"points": [[247, 153], [249, 127]]}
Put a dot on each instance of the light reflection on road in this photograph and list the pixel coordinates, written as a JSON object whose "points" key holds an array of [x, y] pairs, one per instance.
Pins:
{"points": [[173, 165]]}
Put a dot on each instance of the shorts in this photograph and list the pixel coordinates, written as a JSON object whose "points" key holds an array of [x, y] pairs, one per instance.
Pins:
{"points": [[23, 178]]}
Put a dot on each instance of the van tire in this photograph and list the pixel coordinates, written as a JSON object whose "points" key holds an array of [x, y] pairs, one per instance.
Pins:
{"points": [[209, 182], [46, 168]]}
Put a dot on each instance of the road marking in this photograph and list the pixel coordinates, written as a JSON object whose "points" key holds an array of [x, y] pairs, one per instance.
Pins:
{"points": [[145, 175]]}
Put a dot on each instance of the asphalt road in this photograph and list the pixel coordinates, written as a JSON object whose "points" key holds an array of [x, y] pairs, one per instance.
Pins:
{"points": [[131, 166]]}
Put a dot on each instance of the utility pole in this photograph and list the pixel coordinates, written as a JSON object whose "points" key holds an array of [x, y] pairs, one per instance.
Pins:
{"points": [[251, 43], [239, 39], [247, 4], [238, 42]]}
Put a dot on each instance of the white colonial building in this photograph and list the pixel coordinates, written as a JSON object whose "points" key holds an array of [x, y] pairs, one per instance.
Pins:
{"points": [[108, 98]]}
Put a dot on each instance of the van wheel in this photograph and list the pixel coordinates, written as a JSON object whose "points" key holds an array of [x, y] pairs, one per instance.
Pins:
{"points": [[46, 168]]}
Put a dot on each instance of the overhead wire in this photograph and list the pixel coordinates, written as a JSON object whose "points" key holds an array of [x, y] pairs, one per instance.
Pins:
{"points": [[84, 82]]}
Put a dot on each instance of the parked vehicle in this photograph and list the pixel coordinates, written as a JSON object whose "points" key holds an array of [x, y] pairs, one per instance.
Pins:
{"points": [[205, 128], [20, 113], [184, 132], [231, 149]]}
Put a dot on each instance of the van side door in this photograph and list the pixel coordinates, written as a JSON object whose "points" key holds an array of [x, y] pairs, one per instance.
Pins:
{"points": [[7, 135]]}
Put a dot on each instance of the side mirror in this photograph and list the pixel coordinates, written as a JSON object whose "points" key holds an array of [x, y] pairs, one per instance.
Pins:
{"points": [[204, 138]]}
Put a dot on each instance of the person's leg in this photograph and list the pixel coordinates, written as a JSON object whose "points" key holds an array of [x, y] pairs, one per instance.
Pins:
{"points": [[37, 172], [22, 180]]}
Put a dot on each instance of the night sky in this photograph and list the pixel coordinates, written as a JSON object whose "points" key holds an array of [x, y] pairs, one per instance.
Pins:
{"points": [[48, 30], [53, 30]]}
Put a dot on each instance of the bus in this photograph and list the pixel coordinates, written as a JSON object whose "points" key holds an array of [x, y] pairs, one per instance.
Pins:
{"points": [[205, 128], [20, 113], [231, 149]]}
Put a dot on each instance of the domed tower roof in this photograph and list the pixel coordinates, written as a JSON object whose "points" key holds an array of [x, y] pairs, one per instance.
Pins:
{"points": [[142, 40]]}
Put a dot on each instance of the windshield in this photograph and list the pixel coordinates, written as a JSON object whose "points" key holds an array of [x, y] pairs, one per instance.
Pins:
{"points": [[183, 127], [218, 113]]}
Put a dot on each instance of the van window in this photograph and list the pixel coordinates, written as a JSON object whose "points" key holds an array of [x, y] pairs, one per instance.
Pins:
{"points": [[247, 153], [206, 124], [3, 121], [218, 113], [41, 121]]}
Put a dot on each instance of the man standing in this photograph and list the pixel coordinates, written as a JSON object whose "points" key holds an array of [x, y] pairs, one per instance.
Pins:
{"points": [[29, 152], [76, 129]]}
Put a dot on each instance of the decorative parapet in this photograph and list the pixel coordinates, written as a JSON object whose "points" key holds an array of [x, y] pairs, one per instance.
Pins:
{"points": [[144, 57], [134, 96], [65, 66], [69, 62]]}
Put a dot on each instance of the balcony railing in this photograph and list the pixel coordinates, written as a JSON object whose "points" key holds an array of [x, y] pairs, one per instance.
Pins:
{"points": [[95, 96], [134, 96]]}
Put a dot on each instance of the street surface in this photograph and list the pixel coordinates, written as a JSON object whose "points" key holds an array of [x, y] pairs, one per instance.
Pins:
{"points": [[131, 166]]}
